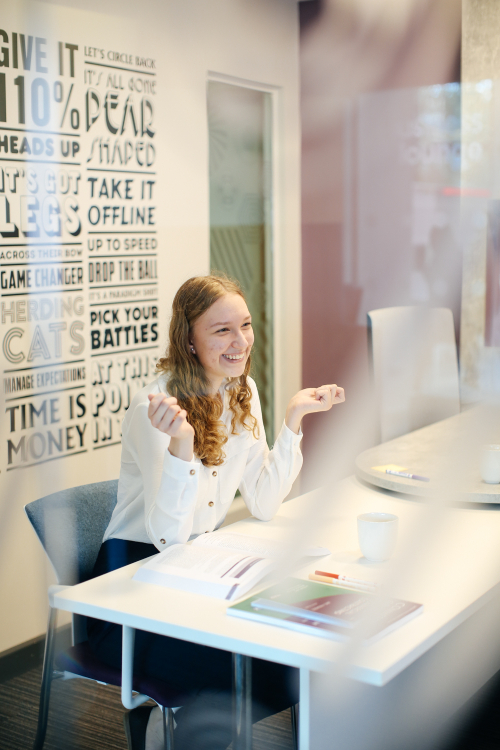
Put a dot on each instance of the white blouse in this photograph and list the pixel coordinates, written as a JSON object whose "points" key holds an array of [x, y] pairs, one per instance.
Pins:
{"points": [[164, 500]]}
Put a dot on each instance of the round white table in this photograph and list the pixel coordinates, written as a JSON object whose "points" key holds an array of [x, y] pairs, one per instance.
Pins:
{"points": [[448, 453]]}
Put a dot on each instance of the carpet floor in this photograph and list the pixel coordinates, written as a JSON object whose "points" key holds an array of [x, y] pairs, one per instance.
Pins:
{"points": [[87, 716]]}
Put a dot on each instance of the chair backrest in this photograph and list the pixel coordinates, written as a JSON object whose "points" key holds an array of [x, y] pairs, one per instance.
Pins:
{"points": [[70, 525], [415, 369]]}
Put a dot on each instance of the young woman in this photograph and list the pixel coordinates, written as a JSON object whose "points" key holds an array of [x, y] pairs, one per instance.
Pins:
{"points": [[190, 439]]}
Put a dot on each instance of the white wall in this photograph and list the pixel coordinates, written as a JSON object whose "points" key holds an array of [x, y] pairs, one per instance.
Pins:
{"points": [[255, 40]]}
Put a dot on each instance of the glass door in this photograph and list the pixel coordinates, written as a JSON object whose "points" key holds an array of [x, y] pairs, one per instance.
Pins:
{"points": [[240, 175]]}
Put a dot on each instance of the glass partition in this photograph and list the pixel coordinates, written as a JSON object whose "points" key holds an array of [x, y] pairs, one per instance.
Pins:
{"points": [[239, 123]]}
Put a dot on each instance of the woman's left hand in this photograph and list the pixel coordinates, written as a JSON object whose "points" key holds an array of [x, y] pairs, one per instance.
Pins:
{"points": [[310, 400]]}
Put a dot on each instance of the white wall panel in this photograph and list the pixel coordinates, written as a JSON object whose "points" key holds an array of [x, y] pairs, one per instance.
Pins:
{"points": [[255, 41]]}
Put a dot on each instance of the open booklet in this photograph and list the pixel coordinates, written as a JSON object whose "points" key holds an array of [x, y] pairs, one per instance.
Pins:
{"points": [[219, 564]]}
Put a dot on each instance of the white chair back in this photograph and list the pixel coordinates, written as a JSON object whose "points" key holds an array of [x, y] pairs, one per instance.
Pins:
{"points": [[415, 368]]}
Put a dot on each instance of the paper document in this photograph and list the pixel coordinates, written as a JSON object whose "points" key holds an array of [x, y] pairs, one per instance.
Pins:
{"points": [[219, 564]]}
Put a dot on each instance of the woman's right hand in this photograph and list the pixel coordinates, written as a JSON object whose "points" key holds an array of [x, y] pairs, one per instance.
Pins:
{"points": [[167, 416]]}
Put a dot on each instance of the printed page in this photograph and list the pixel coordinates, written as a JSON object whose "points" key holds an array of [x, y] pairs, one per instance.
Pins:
{"points": [[254, 545], [221, 573], [219, 563], [241, 543]]}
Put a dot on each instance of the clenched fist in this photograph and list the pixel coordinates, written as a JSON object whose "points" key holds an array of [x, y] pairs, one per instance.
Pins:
{"points": [[310, 400], [167, 416]]}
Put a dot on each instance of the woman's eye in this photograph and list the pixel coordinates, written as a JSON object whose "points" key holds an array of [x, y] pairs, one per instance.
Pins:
{"points": [[248, 324]]}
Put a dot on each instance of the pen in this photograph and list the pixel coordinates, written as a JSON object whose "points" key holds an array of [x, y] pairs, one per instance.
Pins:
{"points": [[407, 475], [369, 589], [347, 579]]}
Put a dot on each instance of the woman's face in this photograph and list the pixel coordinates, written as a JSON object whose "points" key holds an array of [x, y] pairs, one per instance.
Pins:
{"points": [[222, 338]]}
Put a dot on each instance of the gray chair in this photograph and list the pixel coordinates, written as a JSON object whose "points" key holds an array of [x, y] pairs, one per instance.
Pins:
{"points": [[413, 356], [70, 525]]}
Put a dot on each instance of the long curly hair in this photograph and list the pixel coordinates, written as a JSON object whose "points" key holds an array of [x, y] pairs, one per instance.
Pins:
{"points": [[186, 377]]}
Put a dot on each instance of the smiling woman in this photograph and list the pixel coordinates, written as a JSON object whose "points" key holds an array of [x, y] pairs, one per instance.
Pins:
{"points": [[190, 440], [211, 338]]}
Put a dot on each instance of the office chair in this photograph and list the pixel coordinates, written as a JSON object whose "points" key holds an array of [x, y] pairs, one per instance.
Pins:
{"points": [[413, 357], [70, 525]]}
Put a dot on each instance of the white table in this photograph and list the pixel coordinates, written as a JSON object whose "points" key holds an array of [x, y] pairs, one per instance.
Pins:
{"points": [[460, 544], [447, 452]]}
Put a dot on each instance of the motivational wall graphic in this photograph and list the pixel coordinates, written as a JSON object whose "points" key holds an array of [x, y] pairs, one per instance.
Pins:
{"points": [[78, 239]]}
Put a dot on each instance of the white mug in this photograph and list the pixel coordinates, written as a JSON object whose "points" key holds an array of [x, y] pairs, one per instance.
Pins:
{"points": [[490, 464], [377, 535]]}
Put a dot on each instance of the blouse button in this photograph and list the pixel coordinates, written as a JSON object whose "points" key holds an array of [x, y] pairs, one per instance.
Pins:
{"points": [[162, 541], [214, 473], [210, 503], [192, 472]]}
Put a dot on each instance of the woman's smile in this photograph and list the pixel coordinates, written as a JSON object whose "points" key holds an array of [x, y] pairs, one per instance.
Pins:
{"points": [[222, 339]]}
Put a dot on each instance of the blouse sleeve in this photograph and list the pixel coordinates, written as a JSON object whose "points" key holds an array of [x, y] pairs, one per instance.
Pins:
{"points": [[170, 484], [269, 475]]}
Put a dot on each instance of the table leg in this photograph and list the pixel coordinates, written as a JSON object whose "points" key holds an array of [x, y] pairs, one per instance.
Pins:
{"points": [[129, 700], [305, 706], [242, 702]]}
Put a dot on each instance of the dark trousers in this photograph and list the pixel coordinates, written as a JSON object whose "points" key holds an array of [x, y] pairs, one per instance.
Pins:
{"points": [[203, 672]]}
